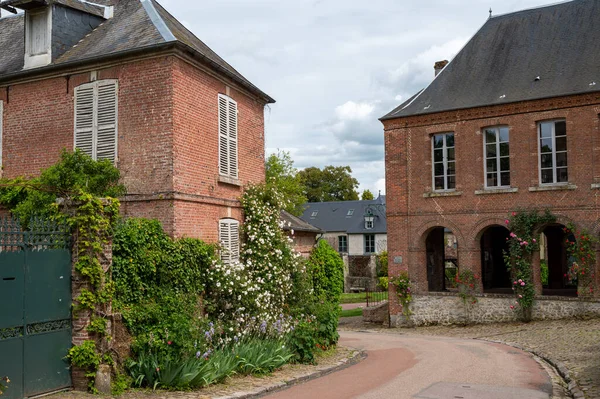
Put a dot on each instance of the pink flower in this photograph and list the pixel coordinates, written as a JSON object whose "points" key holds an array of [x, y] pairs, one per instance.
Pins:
{"points": [[520, 296], [513, 235], [512, 307], [523, 284], [515, 283], [169, 343], [514, 213], [507, 221], [534, 241]]}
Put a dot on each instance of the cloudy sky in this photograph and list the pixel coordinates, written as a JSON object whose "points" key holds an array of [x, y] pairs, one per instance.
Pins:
{"points": [[336, 66]]}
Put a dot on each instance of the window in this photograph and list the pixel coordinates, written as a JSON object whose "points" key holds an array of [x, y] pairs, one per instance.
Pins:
{"points": [[350, 212], [553, 152], [343, 244], [497, 157], [96, 111], [314, 214], [369, 224], [37, 37], [229, 235], [444, 162], [1, 121], [369, 243], [228, 134]]}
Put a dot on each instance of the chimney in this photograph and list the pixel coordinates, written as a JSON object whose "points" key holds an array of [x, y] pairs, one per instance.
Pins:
{"points": [[439, 66]]}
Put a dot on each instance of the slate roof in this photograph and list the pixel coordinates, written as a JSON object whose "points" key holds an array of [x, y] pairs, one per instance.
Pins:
{"points": [[334, 216], [131, 28], [292, 222], [559, 43]]}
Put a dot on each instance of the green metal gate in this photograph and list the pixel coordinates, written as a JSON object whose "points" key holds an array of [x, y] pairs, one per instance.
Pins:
{"points": [[35, 308]]}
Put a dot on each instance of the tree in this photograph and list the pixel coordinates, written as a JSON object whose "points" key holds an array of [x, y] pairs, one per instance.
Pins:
{"points": [[333, 183], [367, 195], [282, 176]]}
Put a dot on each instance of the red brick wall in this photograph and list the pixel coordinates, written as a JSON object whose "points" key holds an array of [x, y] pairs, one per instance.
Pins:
{"points": [[196, 153], [167, 139], [408, 172]]}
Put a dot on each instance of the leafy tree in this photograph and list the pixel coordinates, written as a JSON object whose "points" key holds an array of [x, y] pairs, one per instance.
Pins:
{"points": [[75, 173], [282, 176], [367, 195], [327, 270], [332, 183]]}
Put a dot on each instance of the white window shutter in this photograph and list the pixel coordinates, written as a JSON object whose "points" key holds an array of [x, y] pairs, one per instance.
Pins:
{"points": [[229, 236], [84, 119], [228, 134], [233, 134], [107, 121], [223, 137], [1, 129], [96, 119]]}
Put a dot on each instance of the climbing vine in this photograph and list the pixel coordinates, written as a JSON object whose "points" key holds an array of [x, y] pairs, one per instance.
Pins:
{"points": [[582, 258], [404, 292], [522, 244]]}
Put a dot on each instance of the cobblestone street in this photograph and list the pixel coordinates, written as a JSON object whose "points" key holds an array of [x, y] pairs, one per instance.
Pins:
{"points": [[576, 343]]}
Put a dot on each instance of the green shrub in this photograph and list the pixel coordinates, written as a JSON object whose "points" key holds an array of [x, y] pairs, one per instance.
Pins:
{"points": [[303, 343], [260, 357], [327, 317], [382, 264], [159, 282], [327, 269]]}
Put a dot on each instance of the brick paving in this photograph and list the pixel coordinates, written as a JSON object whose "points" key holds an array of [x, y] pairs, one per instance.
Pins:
{"points": [[575, 343]]}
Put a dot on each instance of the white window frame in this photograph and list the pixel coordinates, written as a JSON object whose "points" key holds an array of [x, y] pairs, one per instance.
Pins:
{"points": [[369, 224], [1, 133], [33, 61], [229, 254], [444, 160], [233, 174], [554, 167], [95, 86], [498, 157], [340, 244], [366, 240]]}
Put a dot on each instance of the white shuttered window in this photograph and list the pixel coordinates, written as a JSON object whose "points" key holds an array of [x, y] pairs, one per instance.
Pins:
{"points": [[96, 119], [1, 132], [229, 235], [228, 137]]}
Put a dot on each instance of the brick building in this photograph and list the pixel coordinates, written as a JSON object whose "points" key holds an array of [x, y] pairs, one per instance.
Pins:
{"points": [[304, 235], [511, 123], [124, 80]]}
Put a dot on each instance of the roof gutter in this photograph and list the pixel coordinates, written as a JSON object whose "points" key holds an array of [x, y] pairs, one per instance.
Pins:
{"points": [[10, 78]]}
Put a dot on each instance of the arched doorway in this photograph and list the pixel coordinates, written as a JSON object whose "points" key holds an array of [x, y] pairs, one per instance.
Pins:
{"points": [[442, 258], [495, 274], [554, 262]]}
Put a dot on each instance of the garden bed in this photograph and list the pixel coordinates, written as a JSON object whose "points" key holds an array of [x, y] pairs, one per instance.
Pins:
{"points": [[289, 374]]}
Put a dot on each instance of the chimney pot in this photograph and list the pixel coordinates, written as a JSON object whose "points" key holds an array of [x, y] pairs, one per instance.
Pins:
{"points": [[439, 66]]}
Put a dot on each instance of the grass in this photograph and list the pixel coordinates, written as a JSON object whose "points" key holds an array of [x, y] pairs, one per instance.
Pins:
{"points": [[351, 313]]}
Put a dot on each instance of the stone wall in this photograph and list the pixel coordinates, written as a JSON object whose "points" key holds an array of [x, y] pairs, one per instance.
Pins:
{"points": [[447, 309], [377, 314]]}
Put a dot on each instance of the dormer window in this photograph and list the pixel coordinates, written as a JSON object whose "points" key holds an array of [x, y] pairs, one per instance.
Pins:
{"points": [[369, 220], [38, 32]]}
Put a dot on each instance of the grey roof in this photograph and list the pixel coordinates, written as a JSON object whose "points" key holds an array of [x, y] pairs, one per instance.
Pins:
{"points": [[559, 43], [292, 222], [336, 217], [131, 28]]}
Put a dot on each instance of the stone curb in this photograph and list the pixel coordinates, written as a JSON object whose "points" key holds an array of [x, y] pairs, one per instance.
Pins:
{"points": [[357, 357], [572, 385]]}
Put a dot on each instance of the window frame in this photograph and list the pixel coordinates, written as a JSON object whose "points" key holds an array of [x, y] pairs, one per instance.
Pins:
{"points": [[497, 158], [444, 161], [233, 256], [345, 240], [369, 224], [366, 243], [95, 85], [554, 152], [229, 173], [42, 59]]}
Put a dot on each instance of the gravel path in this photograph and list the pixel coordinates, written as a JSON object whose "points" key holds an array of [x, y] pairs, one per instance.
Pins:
{"points": [[576, 343]]}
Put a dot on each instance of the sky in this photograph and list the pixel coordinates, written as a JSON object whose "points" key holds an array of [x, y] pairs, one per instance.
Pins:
{"points": [[336, 66]]}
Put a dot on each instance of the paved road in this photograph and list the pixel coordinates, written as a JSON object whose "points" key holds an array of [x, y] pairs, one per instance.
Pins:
{"points": [[413, 367]]}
